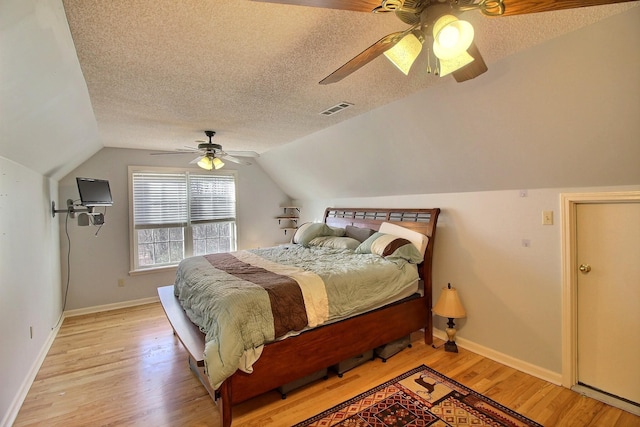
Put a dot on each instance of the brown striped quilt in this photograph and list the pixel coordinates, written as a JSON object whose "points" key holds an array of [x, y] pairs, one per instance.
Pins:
{"points": [[285, 296]]}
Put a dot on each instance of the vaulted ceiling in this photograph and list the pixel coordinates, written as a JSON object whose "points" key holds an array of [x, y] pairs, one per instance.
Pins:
{"points": [[161, 72]]}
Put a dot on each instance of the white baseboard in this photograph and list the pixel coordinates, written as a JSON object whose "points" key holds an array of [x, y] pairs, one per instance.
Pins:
{"points": [[108, 307], [521, 365], [18, 400]]}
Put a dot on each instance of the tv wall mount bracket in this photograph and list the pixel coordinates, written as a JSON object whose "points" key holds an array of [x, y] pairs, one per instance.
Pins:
{"points": [[71, 209]]}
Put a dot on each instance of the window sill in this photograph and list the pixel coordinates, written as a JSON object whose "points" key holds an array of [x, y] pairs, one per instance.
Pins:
{"points": [[152, 270]]}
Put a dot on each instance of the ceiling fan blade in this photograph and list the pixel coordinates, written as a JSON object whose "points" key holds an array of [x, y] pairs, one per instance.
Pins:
{"points": [[196, 160], [161, 153], [242, 153], [235, 160], [362, 59], [520, 7], [353, 5], [472, 70]]}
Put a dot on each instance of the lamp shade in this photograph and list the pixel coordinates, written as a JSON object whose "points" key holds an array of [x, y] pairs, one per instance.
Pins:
{"points": [[451, 37], [405, 52], [210, 162], [217, 163], [449, 304], [205, 163]]}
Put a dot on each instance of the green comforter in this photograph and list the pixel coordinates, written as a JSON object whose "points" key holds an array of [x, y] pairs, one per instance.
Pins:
{"points": [[243, 300]]}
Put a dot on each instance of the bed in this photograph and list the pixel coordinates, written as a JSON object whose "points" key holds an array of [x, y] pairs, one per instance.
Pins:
{"points": [[337, 334]]}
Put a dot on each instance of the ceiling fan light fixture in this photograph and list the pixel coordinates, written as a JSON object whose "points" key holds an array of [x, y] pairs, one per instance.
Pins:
{"points": [[210, 162], [451, 37], [205, 163], [405, 52], [217, 163]]}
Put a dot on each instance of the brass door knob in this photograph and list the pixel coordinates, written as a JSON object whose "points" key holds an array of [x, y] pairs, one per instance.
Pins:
{"points": [[584, 268]]}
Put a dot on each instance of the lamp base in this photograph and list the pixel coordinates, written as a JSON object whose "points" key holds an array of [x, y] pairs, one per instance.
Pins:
{"points": [[451, 346]]}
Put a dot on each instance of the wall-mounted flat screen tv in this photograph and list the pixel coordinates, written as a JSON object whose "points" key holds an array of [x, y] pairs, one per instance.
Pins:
{"points": [[94, 192]]}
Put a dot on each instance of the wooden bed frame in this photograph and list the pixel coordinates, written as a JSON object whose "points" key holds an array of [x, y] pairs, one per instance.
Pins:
{"points": [[287, 360]]}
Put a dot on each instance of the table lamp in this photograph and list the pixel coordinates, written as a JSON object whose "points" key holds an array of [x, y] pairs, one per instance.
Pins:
{"points": [[449, 306]]}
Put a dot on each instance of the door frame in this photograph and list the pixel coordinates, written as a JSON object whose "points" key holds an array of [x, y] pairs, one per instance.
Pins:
{"points": [[568, 206]]}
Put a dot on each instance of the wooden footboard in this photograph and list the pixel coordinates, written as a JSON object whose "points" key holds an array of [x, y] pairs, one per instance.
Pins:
{"points": [[287, 360], [284, 361]]}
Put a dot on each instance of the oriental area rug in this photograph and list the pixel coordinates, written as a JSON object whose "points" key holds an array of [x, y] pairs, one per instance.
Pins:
{"points": [[420, 397]]}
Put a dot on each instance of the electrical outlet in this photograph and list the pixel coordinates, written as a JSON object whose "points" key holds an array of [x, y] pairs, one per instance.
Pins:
{"points": [[547, 218], [121, 283]]}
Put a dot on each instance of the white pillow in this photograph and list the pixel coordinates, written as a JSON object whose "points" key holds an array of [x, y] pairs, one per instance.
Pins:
{"points": [[419, 240]]}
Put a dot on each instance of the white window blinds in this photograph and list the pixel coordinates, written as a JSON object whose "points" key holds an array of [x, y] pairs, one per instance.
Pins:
{"points": [[159, 200], [176, 199], [212, 200]]}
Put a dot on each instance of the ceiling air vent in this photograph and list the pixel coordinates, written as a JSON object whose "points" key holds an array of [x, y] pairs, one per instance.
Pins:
{"points": [[336, 108]]}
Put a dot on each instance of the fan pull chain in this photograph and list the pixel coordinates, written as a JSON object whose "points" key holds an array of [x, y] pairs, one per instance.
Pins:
{"points": [[429, 60]]}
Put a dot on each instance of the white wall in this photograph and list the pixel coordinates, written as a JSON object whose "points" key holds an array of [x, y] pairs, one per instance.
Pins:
{"points": [[512, 293], [29, 279], [99, 261]]}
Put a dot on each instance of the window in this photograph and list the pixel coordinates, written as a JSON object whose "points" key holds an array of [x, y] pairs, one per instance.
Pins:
{"points": [[177, 214]]}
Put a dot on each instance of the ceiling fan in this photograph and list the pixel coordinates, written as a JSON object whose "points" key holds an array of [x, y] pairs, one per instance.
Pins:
{"points": [[452, 39], [211, 155]]}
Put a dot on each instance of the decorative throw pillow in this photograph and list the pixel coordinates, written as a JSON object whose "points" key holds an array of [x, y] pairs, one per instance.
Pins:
{"points": [[335, 242], [359, 233], [310, 230], [419, 240], [390, 247], [336, 231]]}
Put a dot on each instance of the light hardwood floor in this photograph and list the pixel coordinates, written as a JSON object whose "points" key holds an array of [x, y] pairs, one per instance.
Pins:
{"points": [[125, 368]]}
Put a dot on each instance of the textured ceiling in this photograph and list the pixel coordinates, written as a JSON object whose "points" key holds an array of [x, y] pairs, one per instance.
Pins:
{"points": [[161, 72]]}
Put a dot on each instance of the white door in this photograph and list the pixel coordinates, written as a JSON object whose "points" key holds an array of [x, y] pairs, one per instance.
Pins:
{"points": [[608, 293]]}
